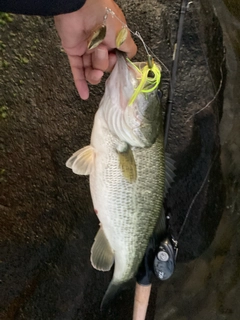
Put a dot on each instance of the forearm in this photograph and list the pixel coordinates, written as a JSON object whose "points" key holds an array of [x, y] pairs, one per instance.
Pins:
{"points": [[40, 7]]}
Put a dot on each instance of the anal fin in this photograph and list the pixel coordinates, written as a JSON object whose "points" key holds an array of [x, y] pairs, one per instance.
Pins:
{"points": [[102, 256]]}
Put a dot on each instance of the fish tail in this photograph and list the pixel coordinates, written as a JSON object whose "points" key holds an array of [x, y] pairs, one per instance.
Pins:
{"points": [[114, 288]]}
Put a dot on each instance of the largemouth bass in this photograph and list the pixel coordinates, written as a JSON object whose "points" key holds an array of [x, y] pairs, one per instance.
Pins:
{"points": [[125, 161]]}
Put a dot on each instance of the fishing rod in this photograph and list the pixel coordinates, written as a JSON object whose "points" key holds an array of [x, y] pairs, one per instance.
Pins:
{"points": [[175, 60], [163, 263]]}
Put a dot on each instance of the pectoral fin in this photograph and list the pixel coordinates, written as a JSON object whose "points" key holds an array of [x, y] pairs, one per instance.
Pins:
{"points": [[127, 165], [102, 256], [81, 162]]}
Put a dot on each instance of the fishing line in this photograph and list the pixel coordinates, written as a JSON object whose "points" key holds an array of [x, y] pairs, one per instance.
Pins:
{"points": [[136, 34], [207, 64], [195, 197], [175, 241], [215, 96]]}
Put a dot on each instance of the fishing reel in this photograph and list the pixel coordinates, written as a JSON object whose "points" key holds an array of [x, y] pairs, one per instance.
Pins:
{"points": [[165, 258]]}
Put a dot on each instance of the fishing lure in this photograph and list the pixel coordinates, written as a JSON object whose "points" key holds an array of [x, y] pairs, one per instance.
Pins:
{"points": [[150, 75]]}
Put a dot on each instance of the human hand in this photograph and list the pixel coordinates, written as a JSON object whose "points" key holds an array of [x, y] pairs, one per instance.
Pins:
{"points": [[75, 28]]}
